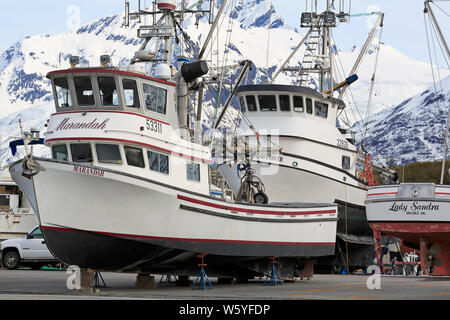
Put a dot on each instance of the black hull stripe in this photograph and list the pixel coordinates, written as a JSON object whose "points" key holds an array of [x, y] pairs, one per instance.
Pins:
{"points": [[222, 215], [325, 165], [317, 174]]}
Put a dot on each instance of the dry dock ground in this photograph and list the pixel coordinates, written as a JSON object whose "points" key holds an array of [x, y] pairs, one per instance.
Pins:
{"points": [[51, 285]]}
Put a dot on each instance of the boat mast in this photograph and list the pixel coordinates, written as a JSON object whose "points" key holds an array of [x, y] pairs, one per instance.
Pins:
{"points": [[447, 51]]}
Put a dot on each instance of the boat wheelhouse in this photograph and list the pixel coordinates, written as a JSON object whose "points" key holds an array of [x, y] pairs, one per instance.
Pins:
{"points": [[123, 121], [304, 123]]}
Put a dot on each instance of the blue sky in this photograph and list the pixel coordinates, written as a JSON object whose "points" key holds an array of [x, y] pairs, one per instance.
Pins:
{"points": [[403, 29]]}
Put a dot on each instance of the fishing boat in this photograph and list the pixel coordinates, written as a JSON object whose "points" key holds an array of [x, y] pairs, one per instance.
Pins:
{"points": [[417, 213], [318, 160], [127, 187]]}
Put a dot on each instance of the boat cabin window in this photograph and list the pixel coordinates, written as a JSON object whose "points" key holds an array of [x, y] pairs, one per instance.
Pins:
{"points": [[59, 152], [345, 163], [321, 109], [267, 103], [131, 93], [158, 162], [62, 92], [81, 152], [108, 91], [84, 92], [155, 98], [285, 103], [193, 171], [134, 157], [309, 106], [298, 104], [108, 153], [242, 102], [251, 103]]}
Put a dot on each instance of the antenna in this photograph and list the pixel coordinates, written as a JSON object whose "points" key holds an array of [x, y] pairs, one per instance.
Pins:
{"points": [[166, 17]]}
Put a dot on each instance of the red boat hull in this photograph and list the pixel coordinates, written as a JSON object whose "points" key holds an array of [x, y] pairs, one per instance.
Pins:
{"points": [[423, 236]]}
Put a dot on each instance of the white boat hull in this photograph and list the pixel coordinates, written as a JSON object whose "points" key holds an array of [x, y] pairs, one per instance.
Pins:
{"points": [[104, 219]]}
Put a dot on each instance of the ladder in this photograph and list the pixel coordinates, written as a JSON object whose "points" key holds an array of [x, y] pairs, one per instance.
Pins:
{"points": [[312, 45], [371, 181], [380, 251]]}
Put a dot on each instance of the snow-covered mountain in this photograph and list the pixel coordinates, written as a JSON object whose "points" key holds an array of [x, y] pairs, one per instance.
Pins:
{"points": [[251, 30], [411, 131]]}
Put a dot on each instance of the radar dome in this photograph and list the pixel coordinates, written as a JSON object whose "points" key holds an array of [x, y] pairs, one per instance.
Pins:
{"points": [[163, 71], [167, 4]]}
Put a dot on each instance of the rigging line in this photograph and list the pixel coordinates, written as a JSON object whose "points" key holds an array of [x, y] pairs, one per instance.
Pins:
{"points": [[440, 46], [340, 77], [225, 58], [431, 64], [229, 34], [441, 9], [429, 53], [434, 34], [369, 104], [349, 90], [441, 112], [268, 39], [222, 20]]}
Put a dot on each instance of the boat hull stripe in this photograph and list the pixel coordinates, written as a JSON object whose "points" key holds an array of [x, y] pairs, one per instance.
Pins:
{"points": [[381, 194], [112, 111], [225, 207], [111, 71]]}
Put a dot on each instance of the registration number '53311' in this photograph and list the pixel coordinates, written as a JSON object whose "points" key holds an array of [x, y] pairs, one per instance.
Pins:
{"points": [[154, 126]]}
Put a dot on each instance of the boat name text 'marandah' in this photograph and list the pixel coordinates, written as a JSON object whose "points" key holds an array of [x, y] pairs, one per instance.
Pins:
{"points": [[94, 124], [90, 171]]}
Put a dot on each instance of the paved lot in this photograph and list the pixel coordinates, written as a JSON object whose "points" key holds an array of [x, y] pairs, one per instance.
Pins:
{"points": [[37, 285]]}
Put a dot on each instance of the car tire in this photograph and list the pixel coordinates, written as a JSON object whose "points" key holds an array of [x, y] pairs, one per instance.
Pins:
{"points": [[11, 260]]}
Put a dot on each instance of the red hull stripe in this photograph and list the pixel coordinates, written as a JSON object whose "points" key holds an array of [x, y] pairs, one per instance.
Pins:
{"points": [[111, 111], [414, 228], [186, 239], [130, 142], [280, 213], [446, 193], [380, 194], [110, 71]]}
